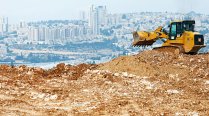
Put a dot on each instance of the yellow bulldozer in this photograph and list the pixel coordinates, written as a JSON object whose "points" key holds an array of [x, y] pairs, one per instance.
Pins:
{"points": [[178, 37]]}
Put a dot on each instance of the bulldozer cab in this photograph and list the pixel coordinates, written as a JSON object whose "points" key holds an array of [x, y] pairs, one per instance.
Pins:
{"points": [[178, 28]]}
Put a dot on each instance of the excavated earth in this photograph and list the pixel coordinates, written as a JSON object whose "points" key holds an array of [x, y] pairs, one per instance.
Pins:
{"points": [[149, 83]]}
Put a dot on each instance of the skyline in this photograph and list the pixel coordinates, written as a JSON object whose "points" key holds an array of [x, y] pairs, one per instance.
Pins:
{"points": [[33, 10]]}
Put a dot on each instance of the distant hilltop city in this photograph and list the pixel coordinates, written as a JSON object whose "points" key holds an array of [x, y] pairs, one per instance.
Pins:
{"points": [[113, 32], [94, 24]]}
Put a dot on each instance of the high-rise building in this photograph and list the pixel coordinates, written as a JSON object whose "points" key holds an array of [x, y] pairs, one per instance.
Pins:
{"points": [[47, 35], [4, 25], [41, 34], [83, 15], [97, 18], [33, 35], [102, 13], [22, 24]]}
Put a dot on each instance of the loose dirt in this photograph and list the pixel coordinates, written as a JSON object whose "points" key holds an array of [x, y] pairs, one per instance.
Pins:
{"points": [[149, 83]]}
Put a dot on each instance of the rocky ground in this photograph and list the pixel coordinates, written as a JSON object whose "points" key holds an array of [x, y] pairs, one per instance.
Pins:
{"points": [[150, 83]]}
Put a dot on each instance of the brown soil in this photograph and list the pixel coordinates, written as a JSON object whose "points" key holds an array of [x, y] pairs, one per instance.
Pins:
{"points": [[150, 83]]}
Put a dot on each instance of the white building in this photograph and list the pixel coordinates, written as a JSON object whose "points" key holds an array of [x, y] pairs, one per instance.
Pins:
{"points": [[3, 25], [3, 49], [22, 24], [102, 13], [97, 18], [33, 35], [41, 34], [114, 19], [57, 34], [83, 15]]}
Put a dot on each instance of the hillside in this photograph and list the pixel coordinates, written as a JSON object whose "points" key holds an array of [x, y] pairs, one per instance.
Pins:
{"points": [[149, 83]]}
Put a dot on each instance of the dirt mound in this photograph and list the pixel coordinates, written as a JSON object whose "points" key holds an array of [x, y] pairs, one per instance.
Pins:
{"points": [[150, 83], [155, 63]]}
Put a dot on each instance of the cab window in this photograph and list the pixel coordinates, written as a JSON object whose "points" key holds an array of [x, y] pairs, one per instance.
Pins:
{"points": [[173, 31], [189, 27]]}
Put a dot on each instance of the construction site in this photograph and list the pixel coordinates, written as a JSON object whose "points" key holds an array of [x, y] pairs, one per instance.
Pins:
{"points": [[148, 83], [104, 58]]}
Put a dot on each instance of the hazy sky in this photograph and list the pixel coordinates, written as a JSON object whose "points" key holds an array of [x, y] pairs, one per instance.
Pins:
{"points": [[28, 10]]}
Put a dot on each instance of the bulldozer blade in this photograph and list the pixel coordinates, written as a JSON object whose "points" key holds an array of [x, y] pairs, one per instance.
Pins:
{"points": [[142, 38], [143, 43]]}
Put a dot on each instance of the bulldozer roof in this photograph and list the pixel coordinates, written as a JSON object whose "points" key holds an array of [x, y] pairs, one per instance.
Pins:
{"points": [[184, 21]]}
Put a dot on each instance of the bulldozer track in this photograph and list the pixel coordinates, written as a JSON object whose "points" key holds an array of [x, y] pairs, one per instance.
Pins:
{"points": [[172, 49]]}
